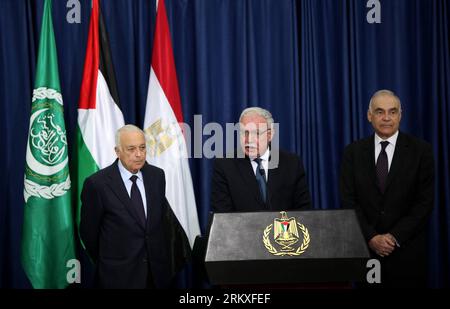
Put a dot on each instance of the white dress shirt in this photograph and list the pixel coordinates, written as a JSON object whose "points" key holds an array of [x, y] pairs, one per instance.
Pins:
{"points": [[265, 163], [389, 148], [126, 174]]}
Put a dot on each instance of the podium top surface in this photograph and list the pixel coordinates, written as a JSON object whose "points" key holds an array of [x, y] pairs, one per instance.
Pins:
{"points": [[330, 234]]}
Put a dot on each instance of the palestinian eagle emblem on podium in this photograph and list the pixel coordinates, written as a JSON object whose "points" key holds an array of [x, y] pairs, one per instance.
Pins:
{"points": [[286, 236]]}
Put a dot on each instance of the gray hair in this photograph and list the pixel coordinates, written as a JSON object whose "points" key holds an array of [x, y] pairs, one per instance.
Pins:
{"points": [[127, 128], [258, 111], [385, 92]]}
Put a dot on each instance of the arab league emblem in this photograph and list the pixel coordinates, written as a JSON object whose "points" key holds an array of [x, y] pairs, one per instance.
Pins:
{"points": [[46, 171], [285, 235]]}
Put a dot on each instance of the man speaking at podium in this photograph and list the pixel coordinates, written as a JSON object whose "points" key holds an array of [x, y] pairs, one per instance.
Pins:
{"points": [[251, 181]]}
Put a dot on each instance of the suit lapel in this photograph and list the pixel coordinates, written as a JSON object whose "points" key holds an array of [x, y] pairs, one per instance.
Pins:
{"points": [[118, 188], [153, 194], [244, 167], [369, 156], [398, 159], [274, 176]]}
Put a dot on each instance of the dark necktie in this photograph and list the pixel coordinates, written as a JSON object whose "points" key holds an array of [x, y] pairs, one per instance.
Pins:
{"points": [[136, 199], [382, 167], [261, 179]]}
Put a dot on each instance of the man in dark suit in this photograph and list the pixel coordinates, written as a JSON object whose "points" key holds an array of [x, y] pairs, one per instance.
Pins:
{"points": [[389, 179], [127, 225], [252, 180]]}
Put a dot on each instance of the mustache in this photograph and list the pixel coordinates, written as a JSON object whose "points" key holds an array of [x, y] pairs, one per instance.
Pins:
{"points": [[250, 145]]}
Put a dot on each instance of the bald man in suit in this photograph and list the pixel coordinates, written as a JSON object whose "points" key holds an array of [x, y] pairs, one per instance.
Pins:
{"points": [[388, 178]]}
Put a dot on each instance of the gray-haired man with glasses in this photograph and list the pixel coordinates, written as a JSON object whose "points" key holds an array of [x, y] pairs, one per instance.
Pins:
{"points": [[250, 181]]}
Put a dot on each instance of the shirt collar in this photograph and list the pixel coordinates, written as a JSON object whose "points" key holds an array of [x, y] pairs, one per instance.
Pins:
{"points": [[265, 156], [126, 174], [392, 140]]}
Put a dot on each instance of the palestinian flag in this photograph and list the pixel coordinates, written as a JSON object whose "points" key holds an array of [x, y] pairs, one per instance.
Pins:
{"points": [[99, 114]]}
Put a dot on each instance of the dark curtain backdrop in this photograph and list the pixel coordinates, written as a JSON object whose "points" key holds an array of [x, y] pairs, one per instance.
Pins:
{"points": [[343, 61], [313, 63]]}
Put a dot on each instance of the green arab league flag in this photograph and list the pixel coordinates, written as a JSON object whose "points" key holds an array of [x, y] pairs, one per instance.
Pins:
{"points": [[47, 234]]}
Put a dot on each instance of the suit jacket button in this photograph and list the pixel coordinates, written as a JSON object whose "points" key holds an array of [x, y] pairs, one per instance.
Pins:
{"points": [[144, 260], [382, 212]]}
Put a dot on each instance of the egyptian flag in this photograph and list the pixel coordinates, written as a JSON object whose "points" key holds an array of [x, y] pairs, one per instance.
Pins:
{"points": [[163, 113], [99, 114]]}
